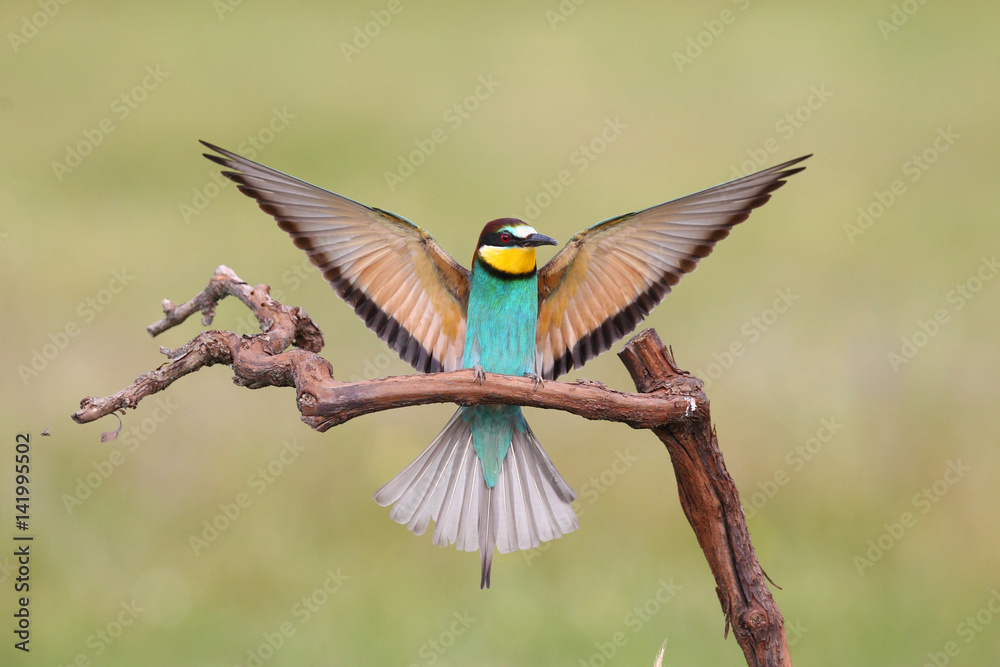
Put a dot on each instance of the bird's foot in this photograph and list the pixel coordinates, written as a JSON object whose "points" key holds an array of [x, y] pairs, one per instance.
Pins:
{"points": [[478, 374], [532, 375]]}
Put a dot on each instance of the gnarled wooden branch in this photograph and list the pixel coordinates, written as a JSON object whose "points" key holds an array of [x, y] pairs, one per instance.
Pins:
{"points": [[671, 403], [266, 360], [712, 506]]}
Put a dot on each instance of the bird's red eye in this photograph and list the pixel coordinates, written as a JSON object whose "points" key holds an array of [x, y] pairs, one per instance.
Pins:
{"points": [[504, 237]]}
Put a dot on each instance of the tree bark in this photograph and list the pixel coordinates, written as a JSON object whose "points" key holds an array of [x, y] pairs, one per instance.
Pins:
{"points": [[670, 402], [711, 503]]}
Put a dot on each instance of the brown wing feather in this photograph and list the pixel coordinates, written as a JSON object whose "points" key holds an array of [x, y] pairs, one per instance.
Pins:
{"points": [[608, 277], [407, 290]]}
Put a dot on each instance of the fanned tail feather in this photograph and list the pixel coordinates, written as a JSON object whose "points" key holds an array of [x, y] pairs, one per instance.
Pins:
{"points": [[530, 503]]}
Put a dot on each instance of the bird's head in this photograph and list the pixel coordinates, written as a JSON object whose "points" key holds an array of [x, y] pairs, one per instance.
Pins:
{"points": [[508, 246]]}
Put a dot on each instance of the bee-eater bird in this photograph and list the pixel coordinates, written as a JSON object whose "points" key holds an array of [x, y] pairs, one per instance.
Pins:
{"points": [[485, 480]]}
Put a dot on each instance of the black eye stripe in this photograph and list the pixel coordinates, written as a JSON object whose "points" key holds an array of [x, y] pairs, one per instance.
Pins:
{"points": [[501, 238]]}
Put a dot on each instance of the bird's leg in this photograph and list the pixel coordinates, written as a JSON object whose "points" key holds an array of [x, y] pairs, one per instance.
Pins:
{"points": [[536, 377], [478, 374]]}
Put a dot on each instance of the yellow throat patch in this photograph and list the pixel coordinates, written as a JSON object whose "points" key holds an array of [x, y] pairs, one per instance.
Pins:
{"points": [[509, 260]]}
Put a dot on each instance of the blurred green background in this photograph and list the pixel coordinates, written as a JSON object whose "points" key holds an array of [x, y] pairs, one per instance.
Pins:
{"points": [[869, 480]]}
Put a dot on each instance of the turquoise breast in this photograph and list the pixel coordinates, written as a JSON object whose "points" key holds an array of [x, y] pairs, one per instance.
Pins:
{"points": [[500, 323], [500, 337]]}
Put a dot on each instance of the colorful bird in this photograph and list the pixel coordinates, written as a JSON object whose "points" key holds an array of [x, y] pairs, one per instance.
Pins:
{"points": [[485, 479]]}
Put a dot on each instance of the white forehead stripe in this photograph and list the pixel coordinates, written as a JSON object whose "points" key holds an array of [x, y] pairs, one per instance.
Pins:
{"points": [[523, 231]]}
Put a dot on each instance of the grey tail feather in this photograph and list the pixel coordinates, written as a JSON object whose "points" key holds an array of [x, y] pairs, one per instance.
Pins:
{"points": [[530, 503], [487, 537]]}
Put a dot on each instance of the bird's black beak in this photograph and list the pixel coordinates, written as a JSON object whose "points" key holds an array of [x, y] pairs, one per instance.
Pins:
{"points": [[537, 240]]}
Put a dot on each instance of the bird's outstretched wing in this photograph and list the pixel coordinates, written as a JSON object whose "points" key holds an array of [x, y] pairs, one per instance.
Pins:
{"points": [[608, 277], [396, 277]]}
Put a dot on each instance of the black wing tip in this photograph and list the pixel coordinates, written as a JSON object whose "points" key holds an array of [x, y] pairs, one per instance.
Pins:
{"points": [[783, 171], [794, 161], [225, 162], [779, 171], [776, 177], [217, 149], [790, 172], [227, 159], [784, 166]]}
